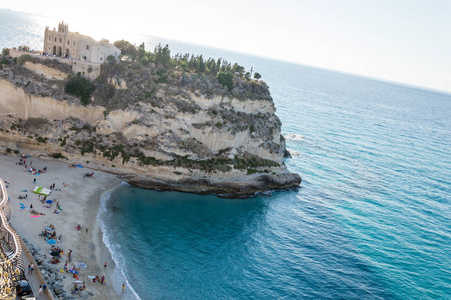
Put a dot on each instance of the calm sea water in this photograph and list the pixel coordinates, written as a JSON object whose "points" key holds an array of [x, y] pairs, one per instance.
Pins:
{"points": [[371, 220]]}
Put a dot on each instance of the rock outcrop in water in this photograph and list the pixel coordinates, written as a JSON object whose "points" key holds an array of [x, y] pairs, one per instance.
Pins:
{"points": [[156, 127]]}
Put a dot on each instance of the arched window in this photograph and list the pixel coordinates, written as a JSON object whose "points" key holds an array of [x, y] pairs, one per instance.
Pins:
{"points": [[55, 39], [50, 38], [61, 40], [68, 42]]}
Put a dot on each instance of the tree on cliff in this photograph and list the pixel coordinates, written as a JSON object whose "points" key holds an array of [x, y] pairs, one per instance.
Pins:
{"points": [[257, 76], [80, 87], [127, 49], [226, 79], [163, 55]]}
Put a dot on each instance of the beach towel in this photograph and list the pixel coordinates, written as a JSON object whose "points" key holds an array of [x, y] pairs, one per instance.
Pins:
{"points": [[80, 166], [34, 216], [41, 191], [23, 190]]}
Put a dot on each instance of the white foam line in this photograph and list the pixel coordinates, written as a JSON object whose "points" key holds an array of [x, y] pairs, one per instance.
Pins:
{"points": [[115, 253]]}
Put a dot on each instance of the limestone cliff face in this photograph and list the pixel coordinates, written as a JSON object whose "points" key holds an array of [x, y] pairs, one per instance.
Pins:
{"points": [[174, 137], [14, 100]]}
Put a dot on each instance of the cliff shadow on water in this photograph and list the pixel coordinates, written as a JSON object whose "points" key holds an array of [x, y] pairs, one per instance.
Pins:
{"points": [[181, 236]]}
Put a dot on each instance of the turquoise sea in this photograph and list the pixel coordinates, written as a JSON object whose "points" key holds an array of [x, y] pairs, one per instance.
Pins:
{"points": [[372, 219]]}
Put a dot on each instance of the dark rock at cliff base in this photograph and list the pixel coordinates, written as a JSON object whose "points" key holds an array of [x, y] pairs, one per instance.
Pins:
{"points": [[243, 187], [286, 154]]}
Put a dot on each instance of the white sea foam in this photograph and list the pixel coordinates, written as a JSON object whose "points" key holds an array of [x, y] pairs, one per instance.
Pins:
{"points": [[119, 273], [294, 137]]}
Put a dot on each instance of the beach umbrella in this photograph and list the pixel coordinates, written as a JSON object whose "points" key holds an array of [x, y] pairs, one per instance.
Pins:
{"points": [[49, 201], [48, 229], [55, 253], [82, 265], [51, 242], [78, 282]]}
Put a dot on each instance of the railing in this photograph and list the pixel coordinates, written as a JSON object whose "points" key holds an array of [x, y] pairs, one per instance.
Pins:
{"points": [[11, 264]]}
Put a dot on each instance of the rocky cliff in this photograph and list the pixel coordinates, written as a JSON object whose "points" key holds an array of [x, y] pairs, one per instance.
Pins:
{"points": [[157, 128]]}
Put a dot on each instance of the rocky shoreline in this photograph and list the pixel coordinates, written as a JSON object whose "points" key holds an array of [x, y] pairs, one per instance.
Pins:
{"points": [[236, 188]]}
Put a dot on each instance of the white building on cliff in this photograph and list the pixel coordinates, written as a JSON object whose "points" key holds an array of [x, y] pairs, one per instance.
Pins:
{"points": [[64, 43]]}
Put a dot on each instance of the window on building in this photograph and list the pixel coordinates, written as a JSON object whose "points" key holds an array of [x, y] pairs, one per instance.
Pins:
{"points": [[74, 43], [55, 39], [101, 58], [68, 42], [61, 40], [50, 38], [87, 47]]}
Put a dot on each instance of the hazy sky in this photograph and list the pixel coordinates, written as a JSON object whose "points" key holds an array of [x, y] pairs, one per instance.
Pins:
{"points": [[398, 40]]}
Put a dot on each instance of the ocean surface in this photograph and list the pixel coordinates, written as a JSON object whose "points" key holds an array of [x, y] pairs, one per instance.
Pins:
{"points": [[372, 219]]}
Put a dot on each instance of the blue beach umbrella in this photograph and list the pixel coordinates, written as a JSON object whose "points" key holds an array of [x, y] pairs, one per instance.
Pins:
{"points": [[48, 229], [49, 201], [51, 242]]}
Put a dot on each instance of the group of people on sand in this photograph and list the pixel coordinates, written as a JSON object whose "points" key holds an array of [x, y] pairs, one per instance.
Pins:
{"points": [[89, 175], [36, 213], [101, 280], [80, 288], [47, 235]]}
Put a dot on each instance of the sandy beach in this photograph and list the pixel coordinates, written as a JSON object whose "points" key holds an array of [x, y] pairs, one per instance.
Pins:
{"points": [[79, 199]]}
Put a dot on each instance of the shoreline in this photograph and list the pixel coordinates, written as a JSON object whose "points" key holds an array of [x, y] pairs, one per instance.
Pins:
{"points": [[80, 199]]}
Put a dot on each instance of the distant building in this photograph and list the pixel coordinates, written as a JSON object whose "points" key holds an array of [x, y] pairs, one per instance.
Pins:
{"points": [[74, 45]]}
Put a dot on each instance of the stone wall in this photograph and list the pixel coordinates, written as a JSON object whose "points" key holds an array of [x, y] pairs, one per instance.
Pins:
{"points": [[87, 69]]}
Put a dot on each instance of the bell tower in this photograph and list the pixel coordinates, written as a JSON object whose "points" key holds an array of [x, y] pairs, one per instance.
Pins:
{"points": [[63, 28]]}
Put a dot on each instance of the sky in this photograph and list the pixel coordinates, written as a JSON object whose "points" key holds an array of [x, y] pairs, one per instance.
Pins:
{"points": [[402, 41]]}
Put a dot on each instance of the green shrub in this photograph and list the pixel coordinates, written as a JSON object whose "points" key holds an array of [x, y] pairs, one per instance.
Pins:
{"points": [[57, 155], [36, 122], [24, 58], [80, 87], [251, 171], [226, 79], [41, 139]]}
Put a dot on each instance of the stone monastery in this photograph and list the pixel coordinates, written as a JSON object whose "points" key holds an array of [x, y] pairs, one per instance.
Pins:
{"points": [[74, 45]]}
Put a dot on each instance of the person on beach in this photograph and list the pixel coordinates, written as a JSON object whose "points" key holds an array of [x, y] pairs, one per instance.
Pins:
{"points": [[105, 264], [40, 290], [44, 288], [31, 268], [102, 279], [123, 287], [34, 181]]}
